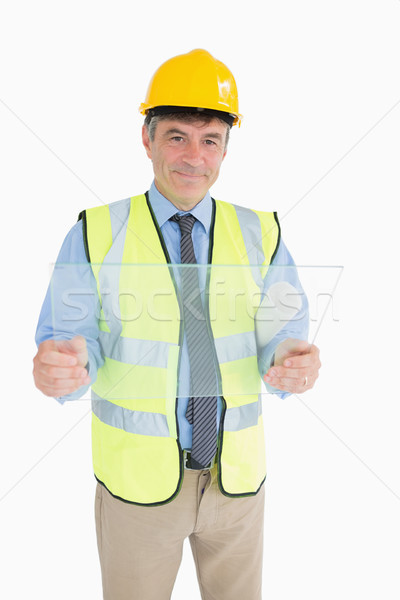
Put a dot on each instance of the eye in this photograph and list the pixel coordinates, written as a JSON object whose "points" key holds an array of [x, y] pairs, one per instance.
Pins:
{"points": [[177, 138], [210, 143]]}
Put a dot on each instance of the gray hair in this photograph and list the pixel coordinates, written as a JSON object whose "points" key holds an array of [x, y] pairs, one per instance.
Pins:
{"points": [[152, 121]]}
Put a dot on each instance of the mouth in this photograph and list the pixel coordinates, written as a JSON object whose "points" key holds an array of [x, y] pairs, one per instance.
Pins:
{"points": [[189, 176]]}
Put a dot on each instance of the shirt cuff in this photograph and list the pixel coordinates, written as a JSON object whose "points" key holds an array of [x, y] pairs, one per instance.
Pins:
{"points": [[265, 361]]}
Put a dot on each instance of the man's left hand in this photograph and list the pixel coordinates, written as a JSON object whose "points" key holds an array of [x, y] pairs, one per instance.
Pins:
{"points": [[295, 368]]}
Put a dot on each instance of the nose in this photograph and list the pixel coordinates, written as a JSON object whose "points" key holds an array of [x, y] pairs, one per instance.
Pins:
{"points": [[193, 155]]}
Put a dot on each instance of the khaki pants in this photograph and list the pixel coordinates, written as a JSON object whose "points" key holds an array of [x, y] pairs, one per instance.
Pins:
{"points": [[140, 547]]}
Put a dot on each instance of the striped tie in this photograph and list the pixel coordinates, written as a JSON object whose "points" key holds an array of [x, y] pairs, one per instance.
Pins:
{"points": [[202, 407]]}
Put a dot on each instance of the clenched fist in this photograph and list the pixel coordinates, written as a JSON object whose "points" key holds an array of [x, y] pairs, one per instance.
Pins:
{"points": [[59, 366]]}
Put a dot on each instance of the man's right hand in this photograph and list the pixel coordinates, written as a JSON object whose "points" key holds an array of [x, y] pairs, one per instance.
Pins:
{"points": [[59, 366]]}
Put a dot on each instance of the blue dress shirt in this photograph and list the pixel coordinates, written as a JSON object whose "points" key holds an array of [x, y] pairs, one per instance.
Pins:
{"points": [[73, 287]]}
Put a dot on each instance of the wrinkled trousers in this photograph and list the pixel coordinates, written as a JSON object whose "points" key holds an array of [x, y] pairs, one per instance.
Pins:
{"points": [[140, 547]]}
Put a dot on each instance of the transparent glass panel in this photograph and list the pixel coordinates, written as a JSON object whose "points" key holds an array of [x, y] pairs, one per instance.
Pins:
{"points": [[189, 330]]}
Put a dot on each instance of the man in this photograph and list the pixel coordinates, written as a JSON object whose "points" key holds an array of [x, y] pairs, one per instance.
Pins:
{"points": [[178, 446]]}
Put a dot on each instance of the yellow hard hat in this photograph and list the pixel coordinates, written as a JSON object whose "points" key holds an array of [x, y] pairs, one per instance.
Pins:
{"points": [[195, 80]]}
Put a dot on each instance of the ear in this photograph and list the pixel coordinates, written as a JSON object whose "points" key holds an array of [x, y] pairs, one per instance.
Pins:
{"points": [[146, 141]]}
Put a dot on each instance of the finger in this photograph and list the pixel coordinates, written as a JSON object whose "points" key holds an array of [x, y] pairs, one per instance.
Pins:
{"points": [[311, 359], [62, 387], [290, 385], [52, 357], [278, 385], [296, 346], [299, 362], [64, 372], [286, 382], [59, 392], [280, 372]]}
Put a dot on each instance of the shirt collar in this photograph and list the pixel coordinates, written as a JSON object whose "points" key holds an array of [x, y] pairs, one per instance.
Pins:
{"points": [[164, 209]]}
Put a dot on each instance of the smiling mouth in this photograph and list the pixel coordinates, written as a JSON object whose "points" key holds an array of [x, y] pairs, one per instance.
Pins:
{"points": [[188, 175]]}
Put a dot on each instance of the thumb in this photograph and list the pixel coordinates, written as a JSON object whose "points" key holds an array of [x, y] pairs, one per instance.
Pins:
{"points": [[294, 346], [76, 346], [290, 347]]}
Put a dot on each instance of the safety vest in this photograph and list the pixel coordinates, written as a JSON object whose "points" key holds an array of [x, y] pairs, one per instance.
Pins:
{"points": [[135, 433]]}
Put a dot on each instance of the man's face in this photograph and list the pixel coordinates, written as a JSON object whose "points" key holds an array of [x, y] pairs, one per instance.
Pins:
{"points": [[186, 159]]}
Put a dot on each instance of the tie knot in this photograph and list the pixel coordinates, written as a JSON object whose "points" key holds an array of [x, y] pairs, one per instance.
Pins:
{"points": [[185, 223]]}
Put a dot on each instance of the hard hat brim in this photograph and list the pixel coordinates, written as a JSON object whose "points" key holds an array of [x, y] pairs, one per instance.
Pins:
{"points": [[219, 114]]}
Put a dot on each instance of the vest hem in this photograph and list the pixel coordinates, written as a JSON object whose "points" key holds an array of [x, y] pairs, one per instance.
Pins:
{"points": [[219, 468], [161, 502], [239, 495]]}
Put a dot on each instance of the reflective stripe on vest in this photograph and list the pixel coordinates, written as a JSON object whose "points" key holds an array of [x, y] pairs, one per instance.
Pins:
{"points": [[145, 423], [136, 450], [126, 350]]}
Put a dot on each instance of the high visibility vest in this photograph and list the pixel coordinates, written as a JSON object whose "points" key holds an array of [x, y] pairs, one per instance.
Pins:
{"points": [[135, 433]]}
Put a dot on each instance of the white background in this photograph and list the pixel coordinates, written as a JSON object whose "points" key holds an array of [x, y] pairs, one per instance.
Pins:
{"points": [[320, 93]]}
